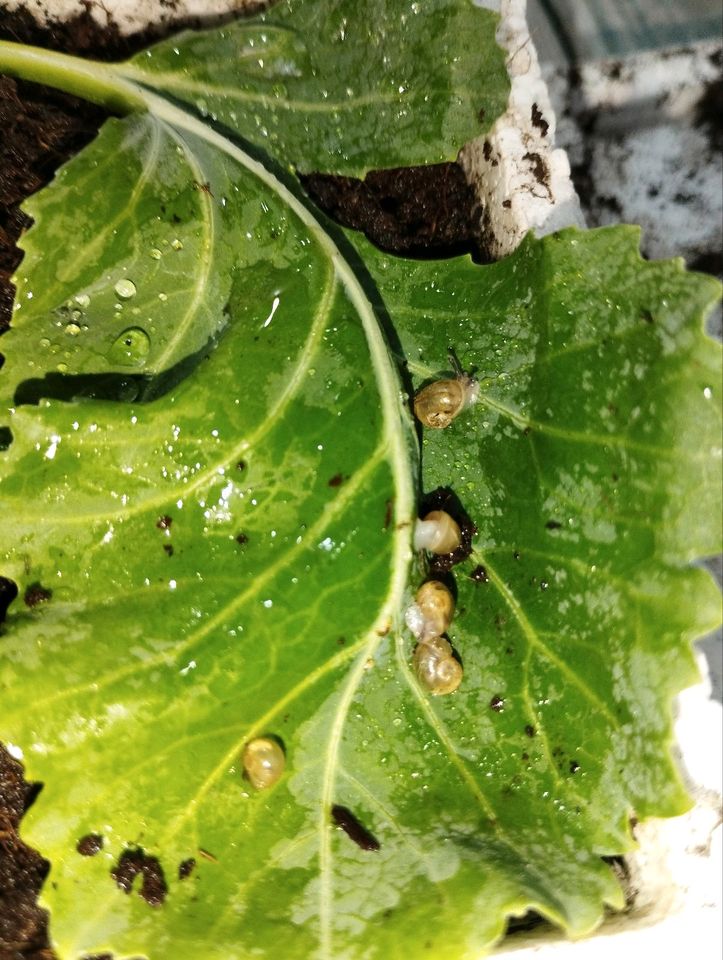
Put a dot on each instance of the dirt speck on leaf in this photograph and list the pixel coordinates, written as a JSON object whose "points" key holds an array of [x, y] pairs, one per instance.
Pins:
{"points": [[36, 593], [186, 868], [134, 863], [89, 845], [344, 818], [388, 513]]}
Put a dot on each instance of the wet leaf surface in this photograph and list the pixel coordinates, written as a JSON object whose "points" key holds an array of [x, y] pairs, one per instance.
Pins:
{"points": [[362, 84], [590, 466], [229, 560], [210, 581], [144, 241]]}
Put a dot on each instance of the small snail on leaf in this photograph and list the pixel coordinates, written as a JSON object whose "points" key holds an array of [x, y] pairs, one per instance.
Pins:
{"points": [[263, 762], [436, 667], [437, 532], [431, 613], [437, 404]]}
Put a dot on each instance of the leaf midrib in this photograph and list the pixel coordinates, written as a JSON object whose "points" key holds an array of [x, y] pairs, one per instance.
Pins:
{"points": [[171, 82]]}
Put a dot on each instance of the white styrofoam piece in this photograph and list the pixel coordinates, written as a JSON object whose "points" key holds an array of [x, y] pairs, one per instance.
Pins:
{"points": [[130, 16], [523, 183], [645, 151]]}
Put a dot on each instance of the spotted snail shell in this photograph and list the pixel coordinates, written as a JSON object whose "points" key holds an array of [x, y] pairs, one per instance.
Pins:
{"points": [[431, 613], [437, 404], [437, 532], [263, 762], [436, 667]]}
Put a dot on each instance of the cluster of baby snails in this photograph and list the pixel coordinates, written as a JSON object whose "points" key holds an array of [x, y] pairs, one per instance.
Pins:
{"points": [[430, 616]]}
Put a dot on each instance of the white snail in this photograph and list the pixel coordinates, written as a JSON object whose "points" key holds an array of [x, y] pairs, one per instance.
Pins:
{"points": [[263, 762], [437, 404], [436, 667], [431, 613], [437, 532]]}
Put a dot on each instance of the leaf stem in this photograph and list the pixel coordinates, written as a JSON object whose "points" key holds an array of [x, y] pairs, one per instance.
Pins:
{"points": [[89, 79]]}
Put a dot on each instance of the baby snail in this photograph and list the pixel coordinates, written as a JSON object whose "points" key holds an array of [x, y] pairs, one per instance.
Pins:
{"points": [[437, 532], [437, 404], [436, 667], [263, 762], [431, 613]]}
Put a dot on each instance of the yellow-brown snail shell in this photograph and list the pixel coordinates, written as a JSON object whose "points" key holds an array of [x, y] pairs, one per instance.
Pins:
{"points": [[437, 532], [431, 613], [436, 667], [263, 762], [437, 404]]}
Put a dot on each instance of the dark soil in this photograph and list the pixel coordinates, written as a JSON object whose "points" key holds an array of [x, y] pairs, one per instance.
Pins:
{"points": [[41, 129], [417, 212], [427, 211], [23, 926]]}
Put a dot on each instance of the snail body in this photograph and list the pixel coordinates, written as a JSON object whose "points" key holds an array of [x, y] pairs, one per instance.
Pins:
{"points": [[263, 762], [431, 613], [436, 667], [437, 532], [437, 404]]}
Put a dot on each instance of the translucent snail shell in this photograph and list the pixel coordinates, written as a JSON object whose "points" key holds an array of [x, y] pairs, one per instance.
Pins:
{"points": [[435, 666], [431, 613], [263, 762], [437, 532], [437, 404]]}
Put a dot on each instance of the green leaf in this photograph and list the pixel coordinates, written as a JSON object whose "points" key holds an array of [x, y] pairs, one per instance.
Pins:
{"points": [[479, 812], [591, 467], [219, 563], [342, 87], [165, 234], [595, 367], [139, 241], [227, 559]]}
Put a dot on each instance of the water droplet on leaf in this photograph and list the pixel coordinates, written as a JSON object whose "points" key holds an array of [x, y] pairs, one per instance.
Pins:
{"points": [[125, 289], [131, 348]]}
